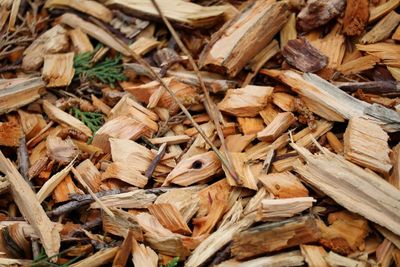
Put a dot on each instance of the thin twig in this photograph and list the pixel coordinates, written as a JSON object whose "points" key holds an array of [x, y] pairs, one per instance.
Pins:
{"points": [[23, 159], [211, 110], [156, 160]]}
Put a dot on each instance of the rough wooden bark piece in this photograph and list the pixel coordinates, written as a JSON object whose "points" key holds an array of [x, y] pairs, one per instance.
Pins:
{"points": [[231, 48], [10, 134], [58, 69], [356, 17], [318, 12], [30, 207], [277, 127], [280, 235], [352, 187], [303, 56], [366, 144]]}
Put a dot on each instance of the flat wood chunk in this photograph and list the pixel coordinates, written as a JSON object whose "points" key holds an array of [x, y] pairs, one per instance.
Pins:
{"points": [[284, 185], [62, 151], [80, 41], [303, 56], [170, 218], [280, 235], [126, 173], [383, 29], [355, 17], [90, 174], [279, 209], [143, 256], [58, 69], [314, 255], [231, 48], [250, 126], [366, 144], [277, 127], [10, 133]]}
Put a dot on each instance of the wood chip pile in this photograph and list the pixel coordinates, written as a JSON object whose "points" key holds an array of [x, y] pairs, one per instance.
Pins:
{"points": [[200, 133]]}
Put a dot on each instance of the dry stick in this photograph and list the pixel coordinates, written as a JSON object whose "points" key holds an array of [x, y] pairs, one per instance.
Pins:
{"points": [[160, 154], [209, 105], [85, 185], [156, 76], [23, 160]]}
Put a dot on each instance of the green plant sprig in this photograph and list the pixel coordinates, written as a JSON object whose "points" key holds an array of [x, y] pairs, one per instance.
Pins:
{"points": [[108, 71]]}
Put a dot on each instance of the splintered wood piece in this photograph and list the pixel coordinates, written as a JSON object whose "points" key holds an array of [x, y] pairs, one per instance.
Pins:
{"points": [[306, 136], [358, 65], [383, 9], [303, 56], [143, 256], [122, 255], [90, 174], [121, 127], [13, 15], [355, 17], [245, 102], [16, 93], [394, 178], [270, 111], [62, 151], [10, 134], [98, 259], [170, 140], [280, 235], [94, 31], [366, 144], [130, 108], [31, 123], [387, 52], [54, 40], [288, 31], [185, 13], [345, 234], [345, 183], [170, 218], [30, 207], [238, 142], [92, 8], [384, 253], [139, 156], [220, 189], [320, 96], [314, 255], [284, 101], [146, 93], [121, 224], [250, 126], [103, 107], [198, 168], [292, 258], [334, 142], [143, 45], [277, 127], [383, 29], [260, 59], [52, 183], [334, 259], [218, 239], [231, 48], [137, 199], [319, 12], [161, 239], [64, 189], [243, 169], [80, 41], [278, 209], [58, 69], [64, 118], [204, 225], [126, 173], [283, 185]]}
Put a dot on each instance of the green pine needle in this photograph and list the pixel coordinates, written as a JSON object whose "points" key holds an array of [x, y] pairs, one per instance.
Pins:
{"points": [[172, 263], [93, 120], [107, 71]]}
